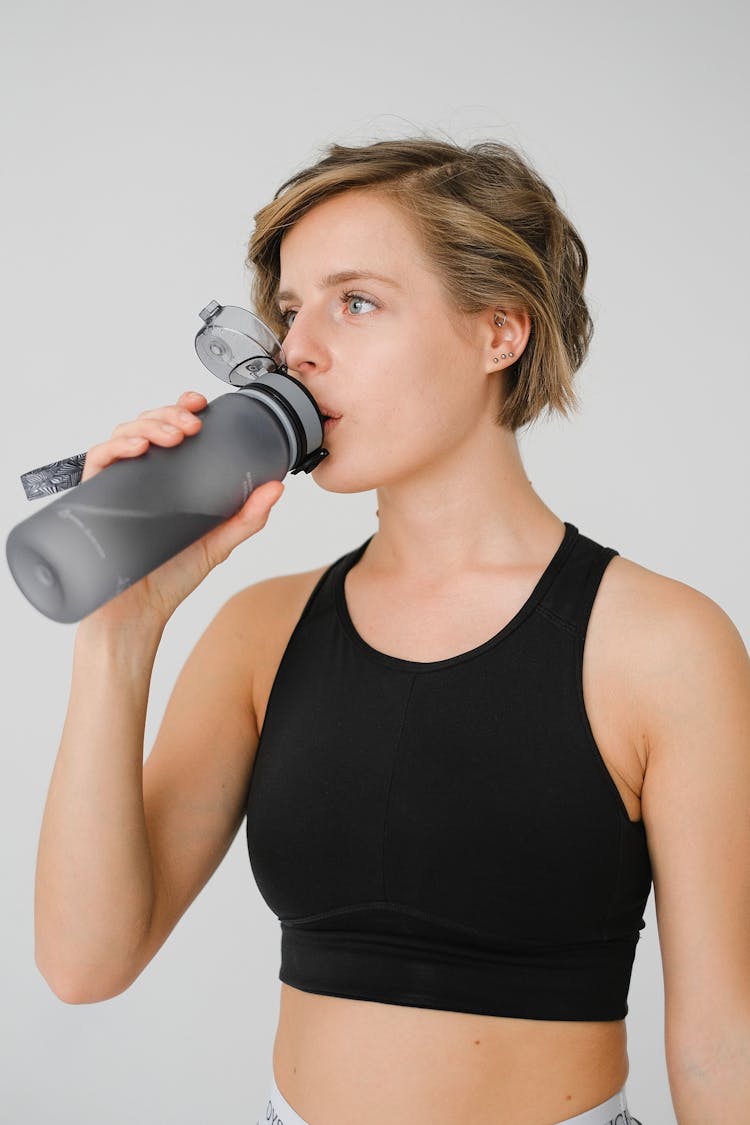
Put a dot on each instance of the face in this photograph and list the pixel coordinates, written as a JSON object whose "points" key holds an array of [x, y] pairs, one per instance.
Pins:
{"points": [[373, 338]]}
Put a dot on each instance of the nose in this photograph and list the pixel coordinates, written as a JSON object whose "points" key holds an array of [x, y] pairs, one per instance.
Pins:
{"points": [[304, 345]]}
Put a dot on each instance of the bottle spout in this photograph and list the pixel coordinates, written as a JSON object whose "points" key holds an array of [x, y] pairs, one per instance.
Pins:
{"points": [[311, 461]]}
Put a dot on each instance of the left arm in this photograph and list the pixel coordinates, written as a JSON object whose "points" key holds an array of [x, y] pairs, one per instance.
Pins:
{"points": [[695, 690]]}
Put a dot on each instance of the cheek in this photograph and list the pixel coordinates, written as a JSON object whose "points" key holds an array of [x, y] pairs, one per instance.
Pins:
{"points": [[412, 419], [407, 394], [436, 395]]}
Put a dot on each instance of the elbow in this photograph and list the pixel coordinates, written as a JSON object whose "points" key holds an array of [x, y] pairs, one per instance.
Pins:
{"points": [[74, 988], [79, 974], [82, 993]]}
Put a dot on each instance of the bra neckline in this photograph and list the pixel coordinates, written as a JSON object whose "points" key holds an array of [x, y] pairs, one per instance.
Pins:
{"points": [[545, 580]]}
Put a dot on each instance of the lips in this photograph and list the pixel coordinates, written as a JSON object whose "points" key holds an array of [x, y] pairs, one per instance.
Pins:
{"points": [[327, 412]]}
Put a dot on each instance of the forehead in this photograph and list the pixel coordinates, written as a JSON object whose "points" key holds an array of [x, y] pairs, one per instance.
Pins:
{"points": [[361, 227]]}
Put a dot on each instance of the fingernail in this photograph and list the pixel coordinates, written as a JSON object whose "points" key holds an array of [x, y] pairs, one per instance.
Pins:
{"points": [[194, 394]]}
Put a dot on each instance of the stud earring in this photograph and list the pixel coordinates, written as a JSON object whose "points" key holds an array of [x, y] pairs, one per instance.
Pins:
{"points": [[500, 323]]}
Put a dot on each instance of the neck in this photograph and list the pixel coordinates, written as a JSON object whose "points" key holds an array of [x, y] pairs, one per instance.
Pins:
{"points": [[470, 511]]}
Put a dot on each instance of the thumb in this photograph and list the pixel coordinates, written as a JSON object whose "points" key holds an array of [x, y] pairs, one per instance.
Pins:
{"points": [[261, 500], [250, 518]]}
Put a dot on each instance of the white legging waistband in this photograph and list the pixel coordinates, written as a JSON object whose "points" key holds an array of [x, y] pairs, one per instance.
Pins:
{"points": [[614, 1111]]}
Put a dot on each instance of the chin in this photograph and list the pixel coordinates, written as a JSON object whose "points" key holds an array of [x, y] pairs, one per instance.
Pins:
{"points": [[332, 476], [343, 485]]}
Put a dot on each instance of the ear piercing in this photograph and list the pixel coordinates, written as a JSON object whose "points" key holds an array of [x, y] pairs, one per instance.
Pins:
{"points": [[500, 323]]}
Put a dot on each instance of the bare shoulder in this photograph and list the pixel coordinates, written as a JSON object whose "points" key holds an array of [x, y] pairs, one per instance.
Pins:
{"points": [[662, 629], [278, 589], [657, 607]]}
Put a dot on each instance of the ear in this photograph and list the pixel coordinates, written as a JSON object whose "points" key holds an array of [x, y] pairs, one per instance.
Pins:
{"points": [[507, 335]]}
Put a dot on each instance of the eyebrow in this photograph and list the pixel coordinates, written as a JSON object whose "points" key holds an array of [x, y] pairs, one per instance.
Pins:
{"points": [[332, 279]]}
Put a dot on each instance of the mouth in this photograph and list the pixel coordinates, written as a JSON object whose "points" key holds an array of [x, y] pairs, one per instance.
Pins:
{"points": [[326, 414]]}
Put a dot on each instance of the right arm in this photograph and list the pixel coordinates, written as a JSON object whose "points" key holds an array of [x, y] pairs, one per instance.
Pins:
{"points": [[125, 847]]}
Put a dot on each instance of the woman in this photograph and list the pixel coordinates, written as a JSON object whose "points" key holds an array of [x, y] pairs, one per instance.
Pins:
{"points": [[457, 808]]}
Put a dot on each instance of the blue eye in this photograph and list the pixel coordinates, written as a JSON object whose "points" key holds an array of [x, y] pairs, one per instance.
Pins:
{"points": [[354, 301], [352, 298]]}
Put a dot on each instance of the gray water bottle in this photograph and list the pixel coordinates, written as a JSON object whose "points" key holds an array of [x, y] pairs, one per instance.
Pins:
{"points": [[87, 546]]}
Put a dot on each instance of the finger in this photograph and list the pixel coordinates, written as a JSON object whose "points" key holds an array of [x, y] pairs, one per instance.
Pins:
{"points": [[261, 499], [154, 424], [166, 425], [101, 456], [188, 401], [130, 440], [192, 400], [177, 415]]}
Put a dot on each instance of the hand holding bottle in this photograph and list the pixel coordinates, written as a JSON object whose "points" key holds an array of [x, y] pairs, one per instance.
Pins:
{"points": [[160, 592], [184, 484]]}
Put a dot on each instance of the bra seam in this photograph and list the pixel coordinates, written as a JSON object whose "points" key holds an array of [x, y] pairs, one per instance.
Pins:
{"points": [[556, 619], [387, 802], [399, 908], [380, 904]]}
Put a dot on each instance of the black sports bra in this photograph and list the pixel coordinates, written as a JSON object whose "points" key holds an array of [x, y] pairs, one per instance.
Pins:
{"points": [[446, 834]]}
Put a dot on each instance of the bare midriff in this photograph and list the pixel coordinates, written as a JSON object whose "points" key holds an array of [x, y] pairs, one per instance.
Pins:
{"points": [[337, 1061]]}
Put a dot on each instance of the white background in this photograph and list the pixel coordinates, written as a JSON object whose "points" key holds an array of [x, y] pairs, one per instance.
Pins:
{"points": [[138, 141]]}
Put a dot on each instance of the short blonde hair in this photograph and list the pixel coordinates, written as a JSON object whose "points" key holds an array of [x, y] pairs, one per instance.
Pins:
{"points": [[493, 230]]}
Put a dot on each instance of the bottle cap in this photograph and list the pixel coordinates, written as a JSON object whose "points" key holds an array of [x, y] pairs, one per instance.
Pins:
{"points": [[236, 346]]}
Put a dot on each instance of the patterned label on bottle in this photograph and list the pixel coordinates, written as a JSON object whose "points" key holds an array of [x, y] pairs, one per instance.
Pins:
{"points": [[52, 478]]}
